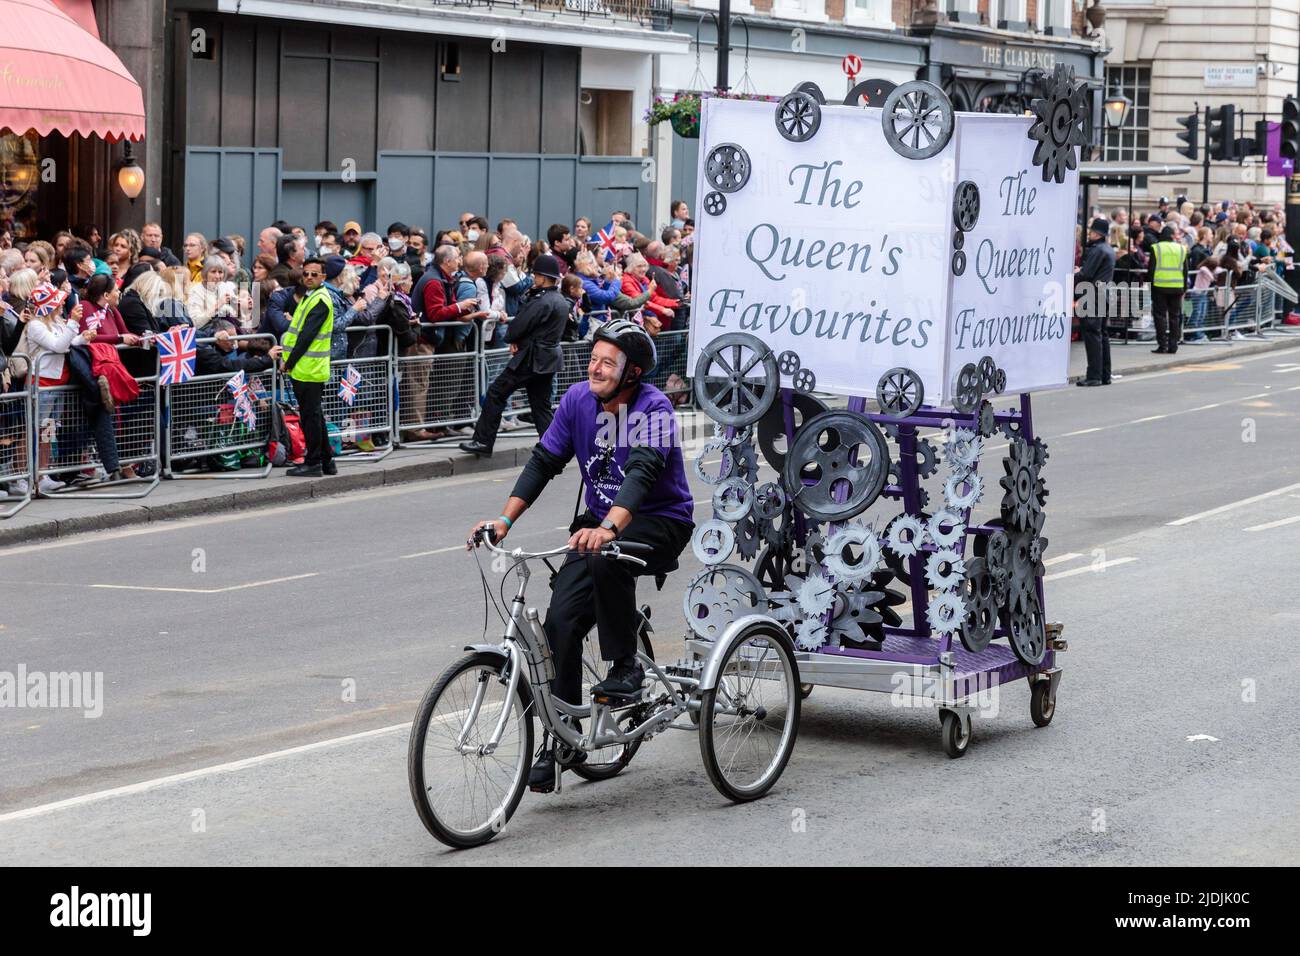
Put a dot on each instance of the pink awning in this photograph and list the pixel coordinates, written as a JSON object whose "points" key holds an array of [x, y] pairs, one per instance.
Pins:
{"points": [[54, 76]]}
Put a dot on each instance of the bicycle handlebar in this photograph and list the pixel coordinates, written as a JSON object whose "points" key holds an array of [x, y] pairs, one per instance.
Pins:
{"points": [[616, 550]]}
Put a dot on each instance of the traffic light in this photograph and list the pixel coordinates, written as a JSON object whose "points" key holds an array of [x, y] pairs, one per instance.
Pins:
{"points": [[1221, 132], [1290, 146], [1191, 129]]}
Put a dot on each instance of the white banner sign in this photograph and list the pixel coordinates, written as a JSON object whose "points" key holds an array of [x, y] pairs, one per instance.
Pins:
{"points": [[1236, 75], [842, 250]]}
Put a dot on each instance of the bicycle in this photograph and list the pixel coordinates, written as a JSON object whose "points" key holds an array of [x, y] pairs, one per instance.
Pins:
{"points": [[471, 745]]}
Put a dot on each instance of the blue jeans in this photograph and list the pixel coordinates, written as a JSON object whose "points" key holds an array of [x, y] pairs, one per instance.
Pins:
{"points": [[1200, 300]]}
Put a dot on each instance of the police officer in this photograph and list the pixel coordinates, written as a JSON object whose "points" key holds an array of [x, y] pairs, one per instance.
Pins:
{"points": [[307, 362], [534, 338], [1091, 279], [1168, 283]]}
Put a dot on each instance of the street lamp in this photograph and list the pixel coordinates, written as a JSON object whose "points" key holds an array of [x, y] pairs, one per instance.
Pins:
{"points": [[130, 177], [1117, 106]]}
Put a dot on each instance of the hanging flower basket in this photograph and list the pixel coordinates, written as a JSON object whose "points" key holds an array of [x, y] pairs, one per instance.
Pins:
{"points": [[682, 112]]}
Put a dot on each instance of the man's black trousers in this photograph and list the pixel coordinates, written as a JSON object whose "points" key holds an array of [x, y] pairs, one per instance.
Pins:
{"points": [[1097, 346], [602, 591], [506, 384], [311, 415], [1167, 311]]}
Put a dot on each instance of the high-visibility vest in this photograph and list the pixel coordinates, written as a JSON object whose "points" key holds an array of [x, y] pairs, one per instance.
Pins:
{"points": [[314, 366], [1168, 272]]}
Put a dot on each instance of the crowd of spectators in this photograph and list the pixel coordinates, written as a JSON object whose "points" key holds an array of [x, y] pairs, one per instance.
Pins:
{"points": [[449, 290]]}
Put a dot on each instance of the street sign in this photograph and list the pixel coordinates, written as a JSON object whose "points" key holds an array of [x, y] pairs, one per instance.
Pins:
{"points": [[1235, 75], [851, 65]]}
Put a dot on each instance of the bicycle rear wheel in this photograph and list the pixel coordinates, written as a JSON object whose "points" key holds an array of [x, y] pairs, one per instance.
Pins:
{"points": [[465, 797], [749, 721], [608, 761]]}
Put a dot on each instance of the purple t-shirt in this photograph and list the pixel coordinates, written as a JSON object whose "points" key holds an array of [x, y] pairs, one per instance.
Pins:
{"points": [[601, 441]]}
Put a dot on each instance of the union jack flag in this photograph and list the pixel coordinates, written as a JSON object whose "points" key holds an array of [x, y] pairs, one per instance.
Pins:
{"points": [[348, 385], [176, 355], [244, 409], [238, 385], [606, 239]]}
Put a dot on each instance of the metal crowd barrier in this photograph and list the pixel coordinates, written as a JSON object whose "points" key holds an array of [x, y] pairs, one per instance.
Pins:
{"points": [[438, 390], [198, 421], [64, 443], [15, 452]]}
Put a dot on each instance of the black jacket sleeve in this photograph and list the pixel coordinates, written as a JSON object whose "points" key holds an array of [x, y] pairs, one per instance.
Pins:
{"points": [[542, 466], [642, 471], [311, 326]]}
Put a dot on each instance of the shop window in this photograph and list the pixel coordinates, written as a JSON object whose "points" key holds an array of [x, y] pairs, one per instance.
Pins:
{"points": [[605, 119], [869, 13], [1130, 143], [812, 11], [1054, 17], [20, 176]]}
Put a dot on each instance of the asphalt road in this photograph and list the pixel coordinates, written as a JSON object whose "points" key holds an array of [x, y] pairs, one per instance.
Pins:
{"points": [[261, 669]]}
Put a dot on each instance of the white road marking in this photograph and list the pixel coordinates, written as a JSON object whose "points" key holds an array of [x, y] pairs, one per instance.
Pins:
{"points": [[146, 785], [1149, 418], [233, 587], [1081, 431], [1191, 738], [425, 554], [1061, 559], [1287, 367], [1274, 524], [1233, 505], [1087, 569]]}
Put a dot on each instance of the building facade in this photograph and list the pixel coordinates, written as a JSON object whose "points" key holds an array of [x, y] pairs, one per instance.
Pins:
{"points": [[1173, 57]]}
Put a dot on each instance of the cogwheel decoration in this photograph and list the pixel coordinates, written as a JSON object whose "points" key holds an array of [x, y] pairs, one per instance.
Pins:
{"points": [[713, 542], [733, 499], [1025, 490], [816, 594], [961, 449], [746, 462], [944, 569], [961, 492], [717, 596], [810, 634], [840, 561], [1058, 124], [946, 612], [725, 468], [748, 537], [738, 437], [946, 528], [905, 535]]}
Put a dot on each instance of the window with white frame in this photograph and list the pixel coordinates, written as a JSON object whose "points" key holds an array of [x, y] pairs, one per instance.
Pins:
{"points": [[1131, 142], [813, 11], [967, 11], [869, 13], [1009, 14], [1054, 16]]}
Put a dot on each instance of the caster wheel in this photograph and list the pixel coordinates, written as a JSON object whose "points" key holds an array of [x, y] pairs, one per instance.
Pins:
{"points": [[805, 691], [956, 733], [1041, 705]]}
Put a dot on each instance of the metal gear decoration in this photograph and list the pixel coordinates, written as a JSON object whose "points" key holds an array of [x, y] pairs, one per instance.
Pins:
{"points": [[738, 436], [771, 427], [946, 612], [1028, 631], [788, 363], [816, 595], [805, 380], [746, 462], [1058, 126], [1000, 381], [717, 596], [813, 90], [1023, 571], [769, 501], [966, 205], [959, 240], [798, 116], [733, 499], [840, 553], [918, 120], [958, 263], [869, 93], [927, 463], [747, 537], [774, 533], [900, 392], [981, 619], [727, 168], [945, 529], [961, 449], [726, 387], [713, 541], [1040, 452], [966, 391], [986, 419], [1012, 428], [1025, 490], [988, 372], [960, 492], [825, 481], [810, 634], [944, 569], [727, 465], [715, 204], [905, 535]]}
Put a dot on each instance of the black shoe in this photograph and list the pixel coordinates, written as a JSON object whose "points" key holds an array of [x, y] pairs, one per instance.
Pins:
{"points": [[541, 779], [1105, 381], [1160, 351], [305, 471], [1088, 382], [329, 468], [475, 447], [623, 680]]}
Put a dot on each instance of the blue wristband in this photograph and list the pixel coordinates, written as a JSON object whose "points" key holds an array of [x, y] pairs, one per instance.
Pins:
{"points": [[509, 524]]}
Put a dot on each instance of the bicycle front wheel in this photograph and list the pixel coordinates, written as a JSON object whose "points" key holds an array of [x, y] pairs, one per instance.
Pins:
{"points": [[749, 721], [463, 795]]}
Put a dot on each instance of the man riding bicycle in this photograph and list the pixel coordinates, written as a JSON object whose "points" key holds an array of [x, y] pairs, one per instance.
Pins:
{"points": [[624, 434]]}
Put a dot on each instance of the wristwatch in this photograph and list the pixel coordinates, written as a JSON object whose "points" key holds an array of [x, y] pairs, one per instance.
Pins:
{"points": [[610, 526]]}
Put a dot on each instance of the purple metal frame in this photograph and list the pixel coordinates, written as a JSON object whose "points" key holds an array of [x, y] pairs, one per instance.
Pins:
{"points": [[917, 644]]}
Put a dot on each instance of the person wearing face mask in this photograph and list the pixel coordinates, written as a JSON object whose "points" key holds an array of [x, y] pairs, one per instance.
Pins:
{"points": [[398, 235], [323, 229], [417, 254]]}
